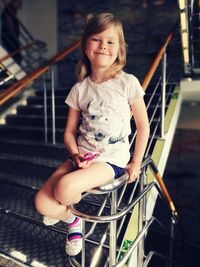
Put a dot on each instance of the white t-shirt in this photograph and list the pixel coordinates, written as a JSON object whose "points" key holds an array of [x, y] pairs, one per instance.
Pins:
{"points": [[106, 114]]}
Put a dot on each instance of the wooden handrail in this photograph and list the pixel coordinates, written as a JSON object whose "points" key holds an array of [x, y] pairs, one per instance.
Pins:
{"points": [[157, 60], [16, 51], [21, 84]]}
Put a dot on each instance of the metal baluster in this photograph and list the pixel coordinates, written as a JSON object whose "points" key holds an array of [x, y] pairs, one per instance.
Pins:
{"points": [[45, 109], [141, 219], [172, 234], [113, 224], [53, 105], [83, 245]]}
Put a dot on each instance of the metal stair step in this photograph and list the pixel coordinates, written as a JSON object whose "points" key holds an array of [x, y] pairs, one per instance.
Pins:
{"points": [[34, 121], [17, 231], [39, 101], [28, 133], [24, 172], [20, 200], [46, 155], [35, 245], [58, 93], [39, 110]]}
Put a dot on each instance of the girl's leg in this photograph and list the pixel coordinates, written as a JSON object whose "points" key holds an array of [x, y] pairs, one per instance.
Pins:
{"points": [[70, 187], [66, 186], [45, 201]]}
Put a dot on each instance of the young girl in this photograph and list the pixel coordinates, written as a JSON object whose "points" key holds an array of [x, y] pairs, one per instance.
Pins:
{"points": [[104, 97]]}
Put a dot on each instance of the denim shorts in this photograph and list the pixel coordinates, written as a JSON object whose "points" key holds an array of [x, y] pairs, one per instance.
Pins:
{"points": [[117, 170]]}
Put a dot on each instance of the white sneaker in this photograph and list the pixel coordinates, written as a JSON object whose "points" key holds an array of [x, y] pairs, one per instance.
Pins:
{"points": [[73, 247], [49, 221]]}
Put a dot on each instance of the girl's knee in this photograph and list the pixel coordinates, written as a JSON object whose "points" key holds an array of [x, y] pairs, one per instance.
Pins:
{"points": [[64, 192], [43, 204]]}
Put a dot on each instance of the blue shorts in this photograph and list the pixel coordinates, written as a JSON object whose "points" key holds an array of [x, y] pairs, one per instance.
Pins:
{"points": [[117, 170]]}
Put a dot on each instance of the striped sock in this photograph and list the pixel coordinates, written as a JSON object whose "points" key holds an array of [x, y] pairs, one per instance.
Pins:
{"points": [[74, 229]]}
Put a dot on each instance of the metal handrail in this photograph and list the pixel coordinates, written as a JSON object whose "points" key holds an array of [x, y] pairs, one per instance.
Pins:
{"points": [[121, 263], [111, 185], [163, 193], [116, 216], [115, 184]]}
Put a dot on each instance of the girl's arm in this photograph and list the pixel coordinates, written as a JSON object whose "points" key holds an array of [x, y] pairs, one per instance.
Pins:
{"points": [[142, 125], [70, 134], [70, 137]]}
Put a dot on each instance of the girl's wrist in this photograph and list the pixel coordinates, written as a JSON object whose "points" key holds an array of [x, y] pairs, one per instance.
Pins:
{"points": [[138, 162], [75, 154]]}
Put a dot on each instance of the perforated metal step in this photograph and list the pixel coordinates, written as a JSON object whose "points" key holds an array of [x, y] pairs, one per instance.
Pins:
{"points": [[47, 155], [35, 243], [32, 244], [39, 110], [23, 172], [22, 133]]}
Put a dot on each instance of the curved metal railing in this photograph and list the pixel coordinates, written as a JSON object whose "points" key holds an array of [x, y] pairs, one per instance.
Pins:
{"points": [[163, 193], [116, 184]]}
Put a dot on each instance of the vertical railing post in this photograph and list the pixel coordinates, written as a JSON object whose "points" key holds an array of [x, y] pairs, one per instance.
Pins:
{"points": [[141, 219], [53, 105], [172, 233], [45, 108], [113, 234], [83, 245], [163, 94]]}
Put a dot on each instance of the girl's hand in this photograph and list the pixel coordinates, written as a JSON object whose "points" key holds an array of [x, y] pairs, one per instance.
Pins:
{"points": [[133, 170], [79, 161]]}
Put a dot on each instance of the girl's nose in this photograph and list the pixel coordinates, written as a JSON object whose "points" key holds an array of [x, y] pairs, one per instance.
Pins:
{"points": [[102, 46]]}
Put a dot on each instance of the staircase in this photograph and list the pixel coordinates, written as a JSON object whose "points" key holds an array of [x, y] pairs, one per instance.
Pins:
{"points": [[26, 162], [28, 157]]}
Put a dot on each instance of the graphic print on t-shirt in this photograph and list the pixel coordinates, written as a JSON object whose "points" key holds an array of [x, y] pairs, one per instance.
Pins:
{"points": [[101, 121]]}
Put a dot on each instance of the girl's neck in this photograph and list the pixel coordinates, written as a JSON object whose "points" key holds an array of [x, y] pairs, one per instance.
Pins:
{"points": [[100, 77]]}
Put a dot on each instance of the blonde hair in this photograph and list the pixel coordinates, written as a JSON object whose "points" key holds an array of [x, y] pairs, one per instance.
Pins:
{"points": [[97, 25]]}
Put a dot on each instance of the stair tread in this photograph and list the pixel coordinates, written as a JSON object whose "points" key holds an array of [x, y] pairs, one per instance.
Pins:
{"points": [[24, 172], [25, 127], [51, 156], [35, 244], [28, 234]]}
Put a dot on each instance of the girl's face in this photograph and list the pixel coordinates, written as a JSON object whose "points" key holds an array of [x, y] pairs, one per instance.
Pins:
{"points": [[102, 48]]}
